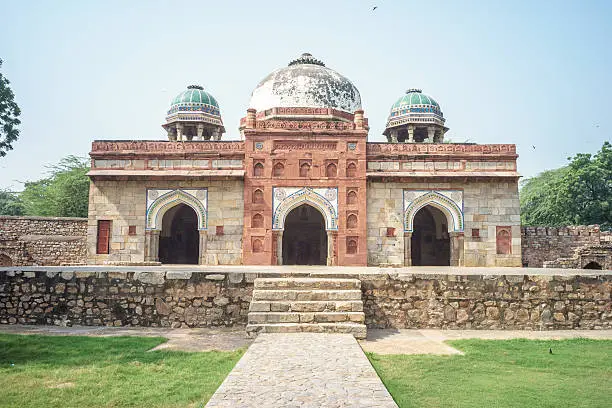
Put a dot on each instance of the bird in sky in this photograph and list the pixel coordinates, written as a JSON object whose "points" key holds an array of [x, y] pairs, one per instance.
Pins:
{"points": [[533, 147], [374, 8]]}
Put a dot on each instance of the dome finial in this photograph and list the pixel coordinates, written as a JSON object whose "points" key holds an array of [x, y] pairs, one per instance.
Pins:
{"points": [[414, 90], [307, 58], [195, 87]]}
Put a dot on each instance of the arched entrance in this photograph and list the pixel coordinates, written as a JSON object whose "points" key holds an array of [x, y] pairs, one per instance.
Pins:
{"points": [[5, 260], [593, 265], [304, 237], [430, 239], [179, 239]]}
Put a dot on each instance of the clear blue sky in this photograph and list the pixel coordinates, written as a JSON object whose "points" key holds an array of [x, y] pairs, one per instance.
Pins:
{"points": [[534, 73]]}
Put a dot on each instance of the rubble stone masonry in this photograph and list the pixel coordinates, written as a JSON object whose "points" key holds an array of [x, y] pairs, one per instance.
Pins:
{"points": [[42, 240], [165, 298]]}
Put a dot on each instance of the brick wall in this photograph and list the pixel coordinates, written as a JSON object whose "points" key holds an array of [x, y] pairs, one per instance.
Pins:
{"points": [[42, 240]]}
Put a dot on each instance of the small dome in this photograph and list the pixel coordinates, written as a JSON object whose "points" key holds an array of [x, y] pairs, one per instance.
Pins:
{"points": [[416, 99], [306, 83], [195, 99]]}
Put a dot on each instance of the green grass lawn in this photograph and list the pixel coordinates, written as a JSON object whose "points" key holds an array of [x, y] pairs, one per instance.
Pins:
{"points": [[514, 373], [70, 371]]}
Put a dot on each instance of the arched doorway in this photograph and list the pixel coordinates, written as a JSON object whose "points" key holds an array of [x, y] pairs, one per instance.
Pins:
{"points": [[304, 237], [179, 240], [5, 260], [593, 265], [430, 239]]}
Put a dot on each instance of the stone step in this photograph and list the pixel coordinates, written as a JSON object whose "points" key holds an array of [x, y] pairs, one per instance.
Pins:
{"points": [[306, 306], [304, 317], [358, 330], [305, 295], [307, 283]]}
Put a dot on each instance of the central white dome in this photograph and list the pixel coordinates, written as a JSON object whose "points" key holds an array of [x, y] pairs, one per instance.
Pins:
{"points": [[306, 83]]}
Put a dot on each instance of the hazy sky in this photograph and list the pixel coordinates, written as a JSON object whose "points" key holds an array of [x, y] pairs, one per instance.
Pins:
{"points": [[534, 73]]}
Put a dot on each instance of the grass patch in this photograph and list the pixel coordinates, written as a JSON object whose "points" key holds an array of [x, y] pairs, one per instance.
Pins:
{"points": [[513, 373], [71, 371]]}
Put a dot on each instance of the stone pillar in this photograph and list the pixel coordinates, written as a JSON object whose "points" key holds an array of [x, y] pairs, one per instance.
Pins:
{"points": [[179, 132], [200, 132], [251, 119], [410, 134], [203, 245], [151, 246], [331, 238], [431, 131], [393, 136], [456, 248], [279, 247], [407, 248], [216, 134], [358, 119]]}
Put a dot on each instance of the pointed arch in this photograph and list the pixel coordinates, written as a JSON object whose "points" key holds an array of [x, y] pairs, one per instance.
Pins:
{"points": [[305, 196], [158, 208], [454, 214]]}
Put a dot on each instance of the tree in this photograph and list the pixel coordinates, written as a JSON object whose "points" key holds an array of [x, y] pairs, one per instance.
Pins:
{"points": [[9, 113], [579, 193], [65, 193], [10, 204]]}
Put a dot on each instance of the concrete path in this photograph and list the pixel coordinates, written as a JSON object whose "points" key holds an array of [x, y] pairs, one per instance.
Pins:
{"points": [[303, 370], [408, 341]]}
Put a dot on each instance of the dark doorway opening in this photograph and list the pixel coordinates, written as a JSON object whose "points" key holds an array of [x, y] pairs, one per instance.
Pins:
{"points": [[430, 244], [304, 237], [179, 240], [593, 265]]}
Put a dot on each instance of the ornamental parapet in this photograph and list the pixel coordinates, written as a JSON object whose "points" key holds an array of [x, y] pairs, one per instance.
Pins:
{"points": [[162, 148], [440, 149]]}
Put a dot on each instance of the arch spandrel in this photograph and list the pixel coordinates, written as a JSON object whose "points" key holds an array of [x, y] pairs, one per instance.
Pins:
{"points": [[450, 202], [285, 199], [161, 200]]}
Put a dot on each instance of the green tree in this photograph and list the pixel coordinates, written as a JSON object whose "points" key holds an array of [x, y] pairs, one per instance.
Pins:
{"points": [[579, 193], [9, 113], [10, 203], [65, 193]]}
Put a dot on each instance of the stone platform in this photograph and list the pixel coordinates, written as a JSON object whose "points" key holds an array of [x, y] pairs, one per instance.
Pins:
{"points": [[303, 370]]}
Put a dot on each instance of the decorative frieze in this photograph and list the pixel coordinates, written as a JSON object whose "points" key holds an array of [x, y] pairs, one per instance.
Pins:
{"points": [[162, 147], [439, 148], [304, 145]]}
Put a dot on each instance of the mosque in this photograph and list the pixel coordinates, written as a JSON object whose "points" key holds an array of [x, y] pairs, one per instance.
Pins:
{"points": [[303, 186]]}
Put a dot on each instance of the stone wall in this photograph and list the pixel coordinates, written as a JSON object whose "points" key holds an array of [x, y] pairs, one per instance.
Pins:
{"points": [[517, 302], [542, 244], [124, 203], [150, 299], [42, 240], [159, 297], [486, 205]]}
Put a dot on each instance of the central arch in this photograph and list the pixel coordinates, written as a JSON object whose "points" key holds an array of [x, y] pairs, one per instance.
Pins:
{"points": [[179, 239], [430, 244], [304, 240]]}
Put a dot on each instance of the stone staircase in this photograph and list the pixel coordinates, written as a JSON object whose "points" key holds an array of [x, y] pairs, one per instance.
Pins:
{"points": [[316, 305]]}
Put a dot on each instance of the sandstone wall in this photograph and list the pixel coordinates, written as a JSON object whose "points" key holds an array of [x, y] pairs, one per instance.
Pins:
{"points": [[487, 204], [42, 240], [542, 244], [488, 302], [124, 202], [150, 299]]}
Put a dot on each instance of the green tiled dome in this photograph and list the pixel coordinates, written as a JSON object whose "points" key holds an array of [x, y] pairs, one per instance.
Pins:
{"points": [[414, 97], [195, 99]]}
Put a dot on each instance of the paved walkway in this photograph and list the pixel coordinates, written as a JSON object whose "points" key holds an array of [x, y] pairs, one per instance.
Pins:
{"points": [[303, 370]]}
